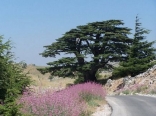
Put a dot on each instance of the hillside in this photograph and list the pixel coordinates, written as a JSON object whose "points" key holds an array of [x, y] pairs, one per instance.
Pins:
{"points": [[144, 83], [40, 80]]}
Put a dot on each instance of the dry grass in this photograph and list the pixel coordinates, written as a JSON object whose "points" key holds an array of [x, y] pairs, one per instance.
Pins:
{"points": [[105, 75], [43, 81], [95, 104]]}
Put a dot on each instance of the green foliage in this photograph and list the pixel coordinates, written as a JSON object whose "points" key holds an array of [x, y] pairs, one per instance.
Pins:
{"points": [[87, 96], [23, 65], [79, 80], [127, 92], [12, 81], [92, 46], [140, 54], [86, 113], [97, 75], [93, 103]]}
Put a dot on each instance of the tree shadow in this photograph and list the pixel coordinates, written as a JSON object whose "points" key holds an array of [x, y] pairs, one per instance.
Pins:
{"points": [[102, 81]]}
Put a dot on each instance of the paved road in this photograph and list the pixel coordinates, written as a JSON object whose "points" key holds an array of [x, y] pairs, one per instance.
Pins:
{"points": [[132, 105]]}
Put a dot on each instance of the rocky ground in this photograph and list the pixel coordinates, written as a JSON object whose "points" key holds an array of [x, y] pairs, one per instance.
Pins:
{"points": [[144, 83], [104, 110]]}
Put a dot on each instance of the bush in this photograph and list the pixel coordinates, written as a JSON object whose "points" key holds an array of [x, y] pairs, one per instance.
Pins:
{"points": [[126, 92], [79, 80], [68, 102], [12, 81], [24, 65]]}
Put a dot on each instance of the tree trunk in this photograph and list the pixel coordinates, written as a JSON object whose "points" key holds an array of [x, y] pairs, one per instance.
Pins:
{"points": [[90, 76]]}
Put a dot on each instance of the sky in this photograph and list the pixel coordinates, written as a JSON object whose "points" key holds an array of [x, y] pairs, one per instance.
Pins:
{"points": [[32, 24]]}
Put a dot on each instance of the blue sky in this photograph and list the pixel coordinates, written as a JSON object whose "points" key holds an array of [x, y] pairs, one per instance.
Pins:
{"points": [[32, 24]]}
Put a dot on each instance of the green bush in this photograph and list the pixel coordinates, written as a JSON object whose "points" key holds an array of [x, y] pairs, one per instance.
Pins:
{"points": [[12, 81], [79, 80], [126, 92]]}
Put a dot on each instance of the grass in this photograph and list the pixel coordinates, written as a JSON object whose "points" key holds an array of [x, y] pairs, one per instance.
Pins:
{"points": [[43, 81], [105, 75], [126, 92], [94, 104]]}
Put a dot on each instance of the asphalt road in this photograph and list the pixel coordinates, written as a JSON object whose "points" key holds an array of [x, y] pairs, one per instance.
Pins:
{"points": [[132, 105]]}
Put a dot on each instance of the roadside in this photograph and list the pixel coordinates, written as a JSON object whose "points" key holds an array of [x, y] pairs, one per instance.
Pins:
{"points": [[132, 105], [143, 84], [104, 110]]}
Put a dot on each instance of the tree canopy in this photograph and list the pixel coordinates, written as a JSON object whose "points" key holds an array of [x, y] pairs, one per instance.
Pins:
{"points": [[140, 55], [91, 47]]}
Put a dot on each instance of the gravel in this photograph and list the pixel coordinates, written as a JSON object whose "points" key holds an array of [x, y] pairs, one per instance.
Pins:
{"points": [[104, 110], [150, 95]]}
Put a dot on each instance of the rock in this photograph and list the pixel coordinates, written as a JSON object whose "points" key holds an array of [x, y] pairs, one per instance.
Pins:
{"points": [[122, 94], [151, 82], [109, 83]]}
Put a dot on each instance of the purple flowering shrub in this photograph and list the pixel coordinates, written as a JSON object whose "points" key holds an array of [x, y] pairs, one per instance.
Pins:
{"points": [[68, 102]]}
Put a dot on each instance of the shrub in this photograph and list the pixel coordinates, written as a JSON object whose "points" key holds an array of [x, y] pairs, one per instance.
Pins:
{"points": [[126, 92], [12, 81], [89, 91], [79, 80], [68, 102]]}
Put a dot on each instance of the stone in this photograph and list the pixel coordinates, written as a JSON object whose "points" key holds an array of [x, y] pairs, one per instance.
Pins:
{"points": [[109, 82]]}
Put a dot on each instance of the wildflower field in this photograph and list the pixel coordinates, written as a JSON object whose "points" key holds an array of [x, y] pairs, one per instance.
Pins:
{"points": [[72, 101]]}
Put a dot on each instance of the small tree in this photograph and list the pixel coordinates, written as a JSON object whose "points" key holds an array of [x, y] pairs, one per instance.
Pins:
{"points": [[140, 55], [12, 81], [92, 47], [22, 64]]}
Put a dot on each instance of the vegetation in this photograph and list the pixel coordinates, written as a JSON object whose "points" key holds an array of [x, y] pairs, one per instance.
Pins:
{"points": [[71, 101], [133, 89], [12, 81], [90, 47], [140, 55], [23, 65]]}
